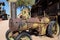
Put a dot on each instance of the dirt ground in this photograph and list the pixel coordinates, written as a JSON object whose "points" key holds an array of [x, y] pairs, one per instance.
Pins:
{"points": [[4, 27]]}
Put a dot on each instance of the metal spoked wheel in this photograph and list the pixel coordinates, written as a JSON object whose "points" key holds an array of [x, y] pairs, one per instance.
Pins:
{"points": [[53, 29], [23, 36], [9, 35]]}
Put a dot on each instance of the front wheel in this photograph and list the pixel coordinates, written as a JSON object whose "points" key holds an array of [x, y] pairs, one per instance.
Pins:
{"points": [[53, 29], [23, 36], [9, 35]]}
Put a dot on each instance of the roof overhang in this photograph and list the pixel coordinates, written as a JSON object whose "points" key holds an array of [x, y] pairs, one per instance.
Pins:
{"points": [[44, 3]]}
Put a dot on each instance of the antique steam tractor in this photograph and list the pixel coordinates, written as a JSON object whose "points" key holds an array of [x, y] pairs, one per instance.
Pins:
{"points": [[41, 21]]}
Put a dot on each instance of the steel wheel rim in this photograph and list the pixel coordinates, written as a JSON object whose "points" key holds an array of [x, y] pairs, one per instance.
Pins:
{"points": [[10, 36], [55, 29]]}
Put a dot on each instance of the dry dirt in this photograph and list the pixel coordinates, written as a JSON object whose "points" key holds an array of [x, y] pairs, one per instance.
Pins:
{"points": [[4, 27]]}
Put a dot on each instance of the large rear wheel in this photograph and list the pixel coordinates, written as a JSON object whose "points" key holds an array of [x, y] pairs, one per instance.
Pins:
{"points": [[53, 29]]}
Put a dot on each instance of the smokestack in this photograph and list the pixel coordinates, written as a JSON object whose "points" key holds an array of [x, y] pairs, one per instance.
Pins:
{"points": [[13, 10], [12, 4]]}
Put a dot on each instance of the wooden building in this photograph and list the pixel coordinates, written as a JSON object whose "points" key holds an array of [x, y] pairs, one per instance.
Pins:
{"points": [[51, 8]]}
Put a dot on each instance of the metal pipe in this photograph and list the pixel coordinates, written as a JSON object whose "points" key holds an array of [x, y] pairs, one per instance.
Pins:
{"points": [[13, 10]]}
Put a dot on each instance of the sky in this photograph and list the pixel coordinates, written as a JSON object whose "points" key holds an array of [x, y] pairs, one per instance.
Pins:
{"points": [[6, 7]]}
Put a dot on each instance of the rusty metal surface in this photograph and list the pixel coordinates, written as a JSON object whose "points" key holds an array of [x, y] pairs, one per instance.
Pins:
{"points": [[19, 24], [15, 23]]}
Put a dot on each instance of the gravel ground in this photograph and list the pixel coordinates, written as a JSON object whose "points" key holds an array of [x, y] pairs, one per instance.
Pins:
{"points": [[4, 27]]}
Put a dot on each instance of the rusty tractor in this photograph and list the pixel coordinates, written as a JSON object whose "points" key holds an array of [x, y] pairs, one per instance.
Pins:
{"points": [[22, 28]]}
